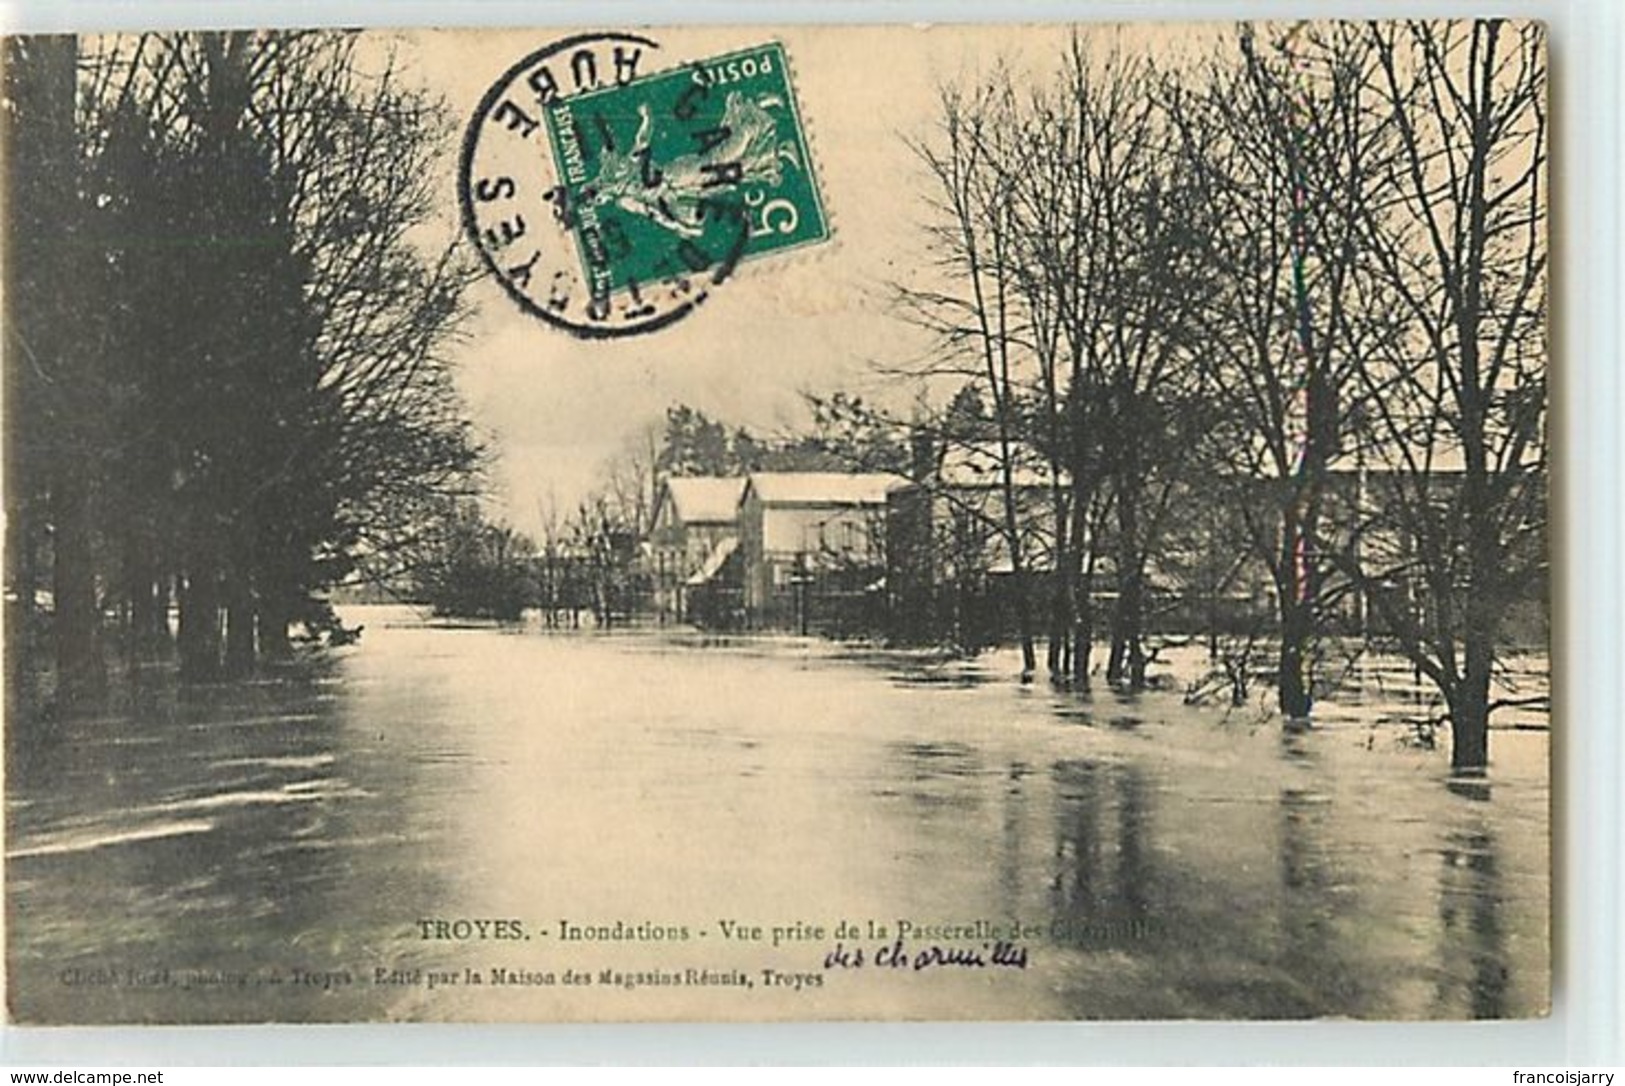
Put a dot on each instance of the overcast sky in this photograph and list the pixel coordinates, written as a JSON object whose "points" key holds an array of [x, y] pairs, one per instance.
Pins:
{"points": [[557, 408]]}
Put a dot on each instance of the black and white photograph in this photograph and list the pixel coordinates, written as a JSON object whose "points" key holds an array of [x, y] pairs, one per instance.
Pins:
{"points": [[778, 523]]}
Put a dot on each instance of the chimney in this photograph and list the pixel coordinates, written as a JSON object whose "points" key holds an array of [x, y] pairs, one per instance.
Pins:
{"points": [[925, 454]]}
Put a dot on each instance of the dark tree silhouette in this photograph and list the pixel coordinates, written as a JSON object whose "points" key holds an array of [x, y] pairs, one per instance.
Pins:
{"points": [[1457, 390], [239, 360]]}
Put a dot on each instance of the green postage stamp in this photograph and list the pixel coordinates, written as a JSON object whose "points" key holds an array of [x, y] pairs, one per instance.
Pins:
{"points": [[685, 169]]}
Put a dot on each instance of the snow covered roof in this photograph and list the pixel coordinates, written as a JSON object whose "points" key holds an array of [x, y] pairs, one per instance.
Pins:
{"points": [[824, 487], [704, 499]]}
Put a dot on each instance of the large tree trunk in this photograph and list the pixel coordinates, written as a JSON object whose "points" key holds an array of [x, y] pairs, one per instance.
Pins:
{"points": [[1024, 625], [1483, 608], [1083, 634], [162, 596], [1295, 700], [1081, 589], [1470, 708], [44, 243], [1301, 527], [23, 580], [241, 648], [199, 637], [1058, 654], [77, 622], [1018, 561], [1293, 680], [1126, 665], [149, 602], [1063, 592]]}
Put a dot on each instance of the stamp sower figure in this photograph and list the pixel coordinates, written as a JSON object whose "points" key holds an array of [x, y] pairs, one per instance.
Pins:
{"points": [[747, 151]]}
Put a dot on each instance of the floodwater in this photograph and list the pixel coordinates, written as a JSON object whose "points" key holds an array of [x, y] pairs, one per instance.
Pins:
{"points": [[656, 825]]}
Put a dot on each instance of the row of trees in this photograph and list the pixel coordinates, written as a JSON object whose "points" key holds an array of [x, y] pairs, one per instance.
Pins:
{"points": [[1316, 254], [473, 567], [226, 338], [843, 433], [589, 558]]}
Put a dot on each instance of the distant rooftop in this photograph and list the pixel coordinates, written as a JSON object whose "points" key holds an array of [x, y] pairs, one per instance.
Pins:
{"points": [[702, 499], [824, 487]]}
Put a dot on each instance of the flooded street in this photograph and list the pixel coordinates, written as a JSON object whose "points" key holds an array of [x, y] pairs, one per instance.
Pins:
{"points": [[724, 828]]}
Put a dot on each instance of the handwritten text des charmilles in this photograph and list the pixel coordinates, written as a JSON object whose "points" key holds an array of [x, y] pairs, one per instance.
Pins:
{"points": [[899, 955]]}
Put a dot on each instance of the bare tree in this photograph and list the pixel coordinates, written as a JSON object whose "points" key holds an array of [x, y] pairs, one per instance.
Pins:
{"points": [[632, 480], [1110, 263], [1060, 247], [976, 312], [1067, 227], [1455, 531], [1286, 154]]}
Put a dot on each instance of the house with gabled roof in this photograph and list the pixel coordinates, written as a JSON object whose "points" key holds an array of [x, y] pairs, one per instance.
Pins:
{"points": [[812, 548], [694, 535]]}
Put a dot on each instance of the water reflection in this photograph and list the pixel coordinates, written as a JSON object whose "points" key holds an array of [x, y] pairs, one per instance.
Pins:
{"points": [[1315, 903], [1302, 828], [1244, 909], [1014, 817], [1473, 788], [1187, 868], [941, 774], [1473, 974], [1298, 742], [1101, 887], [205, 830]]}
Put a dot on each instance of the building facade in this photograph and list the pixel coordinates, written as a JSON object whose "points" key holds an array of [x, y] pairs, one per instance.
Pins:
{"points": [[951, 576], [812, 550], [694, 535]]}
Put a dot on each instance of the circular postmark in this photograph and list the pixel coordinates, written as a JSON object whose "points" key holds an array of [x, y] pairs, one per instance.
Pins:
{"points": [[600, 197]]}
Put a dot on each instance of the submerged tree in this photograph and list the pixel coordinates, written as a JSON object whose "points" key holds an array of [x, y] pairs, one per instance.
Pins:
{"points": [[1124, 283], [1071, 277], [1301, 286], [1286, 153], [265, 329], [1456, 534], [475, 567], [976, 311]]}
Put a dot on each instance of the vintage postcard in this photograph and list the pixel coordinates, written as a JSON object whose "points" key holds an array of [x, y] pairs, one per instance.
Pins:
{"points": [[775, 523]]}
